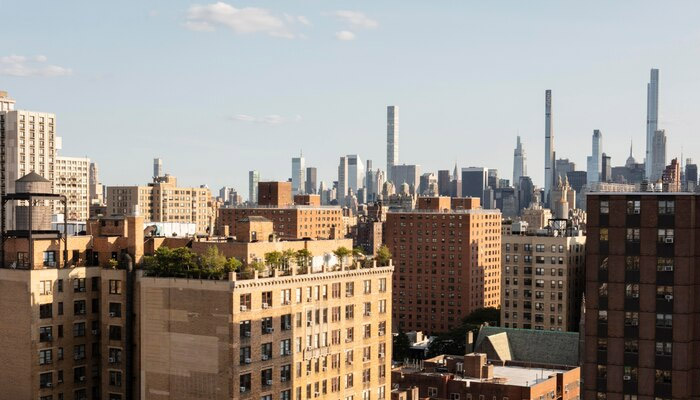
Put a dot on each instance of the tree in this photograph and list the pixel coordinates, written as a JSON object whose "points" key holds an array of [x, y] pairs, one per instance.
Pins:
{"points": [[454, 341], [286, 257], [232, 265], [248, 271], [273, 258], [383, 255], [212, 263], [342, 252], [302, 258], [401, 347], [357, 253]]}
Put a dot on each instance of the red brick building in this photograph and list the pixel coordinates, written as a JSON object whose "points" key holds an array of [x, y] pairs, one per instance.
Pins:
{"points": [[447, 257]]}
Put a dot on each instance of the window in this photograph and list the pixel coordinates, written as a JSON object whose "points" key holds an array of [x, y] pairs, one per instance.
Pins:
{"points": [[45, 357], [602, 344], [632, 291], [115, 355], [79, 352], [115, 310], [286, 373], [603, 234], [665, 236], [95, 284], [266, 299], [631, 346], [115, 332], [603, 316], [266, 326], [664, 320], [79, 329], [266, 377], [350, 311], [286, 322], [44, 287], [79, 374], [603, 289], [49, 258], [367, 286], [79, 307], [266, 351], [45, 334], [45, 380], [633, 207], [632, 263], [286, 395], [45, 310], [633, 235], [367, 331], [349, 289], [59, 285], [432, 392], [631, 318], [245, 302], [667, 207], [335, 290], [115, 286], [664, 264], [244, 328], [664, 348], [245, 383], [662, 376], [604, 207], [629, 373], [79, 285]]}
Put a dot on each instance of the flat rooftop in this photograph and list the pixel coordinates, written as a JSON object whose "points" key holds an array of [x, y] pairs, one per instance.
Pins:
{"points": [[518, 376]]}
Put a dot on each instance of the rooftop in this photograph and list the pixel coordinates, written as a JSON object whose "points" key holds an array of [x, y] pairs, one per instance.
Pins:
{"points": [[510, 344]]}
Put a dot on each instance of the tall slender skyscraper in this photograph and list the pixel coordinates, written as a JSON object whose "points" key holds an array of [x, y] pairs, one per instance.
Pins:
{"points": [[652, 119], [392, 139], [595, 160], [342, 180], [356, 172], [157, 167], [658, 155], [298, 174], [548, 146], [253, 179], [310, 186], [519, 163]]}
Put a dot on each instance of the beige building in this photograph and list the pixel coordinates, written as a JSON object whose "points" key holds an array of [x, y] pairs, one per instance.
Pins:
{"points": [[29, 144], [542, 280], [72, 179], [164, 201]]}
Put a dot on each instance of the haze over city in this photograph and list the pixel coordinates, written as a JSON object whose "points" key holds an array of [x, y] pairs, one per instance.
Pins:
{"points": [[215, 95]]}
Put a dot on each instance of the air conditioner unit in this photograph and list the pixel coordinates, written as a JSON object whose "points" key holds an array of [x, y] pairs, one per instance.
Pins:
{"points": [[247, 334], [637, 211], [112, 360], [242, 389], [365, 359], [269, 382], [309, 348], [309, 299], [82, 379], [626, 378], [325, 368], [95, 332], [348, 340], [265, 305], [82, 289], [48, 384], [668, 297], [59, 380], [367, 314], [287, 326], [668, 268], [269, 330], [248, 360], [244, 308], [316, 394], [112, 314], [635, 295], [283, 379], [381, 355], [668, 240], [264, 357]]}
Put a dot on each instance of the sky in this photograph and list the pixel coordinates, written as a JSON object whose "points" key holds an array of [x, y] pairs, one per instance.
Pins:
{"points": [[219, 88]]}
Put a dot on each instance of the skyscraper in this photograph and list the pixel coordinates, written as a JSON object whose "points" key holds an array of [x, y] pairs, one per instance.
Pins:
{"points": [[96, 189], [342, 180], [392, 139], [519, 162], [298, 174], [548, 146], [652, 119], [369, 179], [71, 179], [658, 155], [356, 172], [444, 182], [310, 186], [157, 167], [253, 179], [406, 173], [595, 160], [474, 181], [605, 169]]}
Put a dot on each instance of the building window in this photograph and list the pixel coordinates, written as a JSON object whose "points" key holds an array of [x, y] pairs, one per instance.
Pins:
{"points": [[665, 236], [79, 329], [79, 307], [115, 286], [667, 207], [115, 332], [604, 207], [664, 320], [245, 329], [432, 391], [115, 310], [603, 289], [266, 326], [633, 235], [45, 310], [45, 357], [662, 376], [664, 264], [632, 263], [664, 348], [45, 380], [633, 207], [45, 334], [245, 383], [603, 316], [632, 291], [49, 258], [631, 346], [631, 318], [603, 234], [629, 373]]}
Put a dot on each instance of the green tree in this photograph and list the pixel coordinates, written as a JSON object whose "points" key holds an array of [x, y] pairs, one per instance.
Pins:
{"points": [[273, 258], [342, 252], [383, 255], [212, 263], [232, 265], [401, 347], [302, 259], [357, 253], [286, 257]]}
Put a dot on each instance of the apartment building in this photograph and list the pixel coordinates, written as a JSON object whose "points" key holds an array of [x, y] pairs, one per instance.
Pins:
{"points": [[447, 257], [72, 179], [473, 377], [315, 335], [164, 201], [542, 278], [642, 312], [290, 222], [28, 142]]}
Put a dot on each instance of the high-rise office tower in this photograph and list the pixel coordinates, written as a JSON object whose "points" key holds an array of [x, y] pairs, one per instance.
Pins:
{"points": [[96, 188], [406, 173], [641, 321], [356, 172], [563, 166], [310, 186], [157, 167], [369, 179], [493, 180], [652, 119], [444, 182], [548, 146], [253, 179], [658, 155], [456, 186], [474, 182], [298, 172], [691, 175], [595, 160], [392, 139], [427, 180], [29, 144], [342, 181], [605, 169], [519, 162]]}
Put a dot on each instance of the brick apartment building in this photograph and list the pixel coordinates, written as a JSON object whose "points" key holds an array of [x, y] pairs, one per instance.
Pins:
{"points": [[447, 257], [642, 308]]}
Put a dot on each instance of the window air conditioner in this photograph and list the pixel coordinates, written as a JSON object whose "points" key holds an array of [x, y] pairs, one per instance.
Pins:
{"points": [[112, 360], [669, 297], [269, 382], [265, 305], [112, 314], [242, 389], [264, 357], [248, 360], [626, 378], [668, 240], [247, 334], [244, 308], [48, 384]]}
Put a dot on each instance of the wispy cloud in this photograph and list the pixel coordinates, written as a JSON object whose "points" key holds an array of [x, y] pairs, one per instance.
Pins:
{"points": [[22, 66], [246, 20], [345, 35], [356, 19], [272, 119]]}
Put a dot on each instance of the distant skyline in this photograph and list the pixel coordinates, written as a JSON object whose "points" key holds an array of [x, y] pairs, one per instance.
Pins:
{"points": [[218, 89]]}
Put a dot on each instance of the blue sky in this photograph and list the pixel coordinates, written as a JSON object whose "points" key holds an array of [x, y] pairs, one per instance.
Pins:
{"points": [[219, 89]]}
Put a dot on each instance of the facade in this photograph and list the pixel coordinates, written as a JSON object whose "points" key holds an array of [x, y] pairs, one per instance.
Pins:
{"points": [[605, 169], [658, 161], [298, 175], [444, 181], [164, 201], [253, 180], [595, 160], [519, 162], [548, 146], [96, 188], [641, 279], [542, 280], [29, 143], [474, 182], [671, 177], [473, 376], [392, 140], [275, 194], [311, 182], [342, 180], [290, 222], [356, 173], [447, 255], [562, 167], [408, 174], [72, 179], [652, 119]]}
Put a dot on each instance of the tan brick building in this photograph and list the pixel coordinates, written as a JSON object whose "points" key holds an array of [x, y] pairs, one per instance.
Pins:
{"points": [[542, 280], [164, 201], [447, 258], [290, 222], [72, 179]]}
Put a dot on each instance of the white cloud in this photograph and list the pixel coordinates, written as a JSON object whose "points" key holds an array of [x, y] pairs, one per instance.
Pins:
{"points": [[246, 20], [356, 19], [272, 119], [21, 66], [345, 35]]}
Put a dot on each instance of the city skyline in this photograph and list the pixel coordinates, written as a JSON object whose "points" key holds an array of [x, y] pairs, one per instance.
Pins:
{"points": [[84, 92]]}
